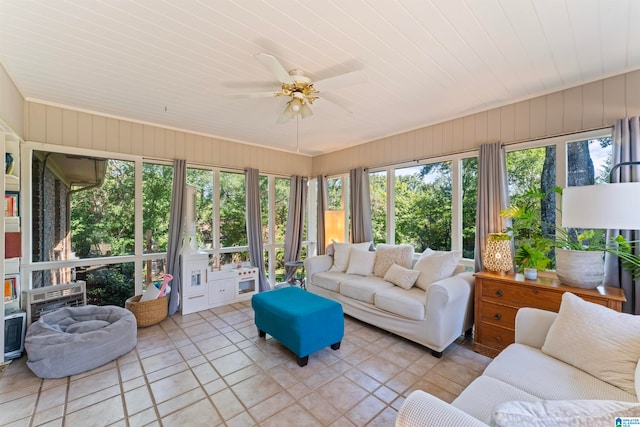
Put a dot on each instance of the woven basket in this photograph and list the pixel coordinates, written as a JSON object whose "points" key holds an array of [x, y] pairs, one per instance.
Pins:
{"points": [[148, 313]]}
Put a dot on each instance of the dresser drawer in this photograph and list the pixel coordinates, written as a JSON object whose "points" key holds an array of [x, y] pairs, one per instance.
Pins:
{"points": [[494, 336], [498, 315], [521, 296]]}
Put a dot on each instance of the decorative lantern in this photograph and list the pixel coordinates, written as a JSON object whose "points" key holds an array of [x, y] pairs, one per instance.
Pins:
{"points": [[497, 254]]}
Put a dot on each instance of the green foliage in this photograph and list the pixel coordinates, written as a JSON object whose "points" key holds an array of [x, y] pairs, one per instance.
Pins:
{"points": [[534, 256], [378, 192], [423, 207], [469, 205], [110, 285], [157, 183], [233, 222]]}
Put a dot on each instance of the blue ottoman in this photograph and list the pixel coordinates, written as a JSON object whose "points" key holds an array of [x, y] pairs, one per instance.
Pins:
{"points": [[303, 322]]}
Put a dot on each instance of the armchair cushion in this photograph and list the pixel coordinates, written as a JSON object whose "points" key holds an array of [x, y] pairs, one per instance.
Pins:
{"points": [[597, 340], [562, 413]]}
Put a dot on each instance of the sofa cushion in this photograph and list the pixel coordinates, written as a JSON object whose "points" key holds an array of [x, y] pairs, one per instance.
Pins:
{"points": [[342, 252], [562, 413], [364, 288], [387, 255], [551, 378], [597, 340], [400, 276], [330, 280], [435, 266], [480, 397], [406, 303], [361, 262]]}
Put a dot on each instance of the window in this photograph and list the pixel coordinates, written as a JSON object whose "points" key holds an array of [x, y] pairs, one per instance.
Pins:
{"points": [[157, 183], [469, 206], [378, 192], [335, 196], [202, 181], [423, 206], [233, 222]]}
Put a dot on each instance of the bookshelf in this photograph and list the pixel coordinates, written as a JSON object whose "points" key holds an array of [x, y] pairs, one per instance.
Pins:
{"points": [[11, 230]]}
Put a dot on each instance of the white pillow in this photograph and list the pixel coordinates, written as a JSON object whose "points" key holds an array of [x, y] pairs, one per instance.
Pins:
{"points": [[436, 266], [562, 413], [342, 252], [387, 255], [597, 340], [400, 276], [361, 262]]}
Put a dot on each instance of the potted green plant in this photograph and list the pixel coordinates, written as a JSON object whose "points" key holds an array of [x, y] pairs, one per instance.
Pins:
{"points": [[532, 249]]}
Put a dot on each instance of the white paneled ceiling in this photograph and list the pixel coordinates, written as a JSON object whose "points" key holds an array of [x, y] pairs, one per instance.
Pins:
{"points": [[170, 62]]}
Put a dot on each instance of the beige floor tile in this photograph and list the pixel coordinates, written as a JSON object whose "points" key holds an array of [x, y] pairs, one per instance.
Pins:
{"points": [[47, 415], [342, 393], [271, 406], [92, 399], [143, 418], [366, 410], [198, 414], [320, 408], [231, 363], [294, 415], [379, 369], [173, 386], [385, 419], [90, 384], [99, 414], [182, 401], [227, 404], [17, 409], [161, 361], [256, 389], [137, 400]]}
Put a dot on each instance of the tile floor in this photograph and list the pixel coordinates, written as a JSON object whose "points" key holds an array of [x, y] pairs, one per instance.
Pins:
{"points": [[212, 369]]}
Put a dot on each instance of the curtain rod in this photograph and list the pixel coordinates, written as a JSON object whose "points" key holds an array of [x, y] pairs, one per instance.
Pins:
{"points": [[453, 153]]}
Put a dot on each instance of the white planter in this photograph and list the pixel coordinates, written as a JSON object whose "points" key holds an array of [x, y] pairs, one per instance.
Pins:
{"points": [[530, 273], [582, 269]]}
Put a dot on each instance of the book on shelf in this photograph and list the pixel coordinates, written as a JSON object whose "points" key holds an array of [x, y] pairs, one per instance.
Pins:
{"points": [[11, 202], [10, 288]]}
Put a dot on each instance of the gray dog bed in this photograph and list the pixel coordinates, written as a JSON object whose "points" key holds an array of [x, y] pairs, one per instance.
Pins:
{"points": [[72, 340]]}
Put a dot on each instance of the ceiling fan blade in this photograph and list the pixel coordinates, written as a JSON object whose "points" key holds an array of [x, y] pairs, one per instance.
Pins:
{"points": [[336, 101], [252, 95], [340, 81], [276, 68]]}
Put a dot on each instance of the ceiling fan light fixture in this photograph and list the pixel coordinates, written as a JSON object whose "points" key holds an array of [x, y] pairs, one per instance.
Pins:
{"points": [[296, 105], [288, 111], [305, 111]]}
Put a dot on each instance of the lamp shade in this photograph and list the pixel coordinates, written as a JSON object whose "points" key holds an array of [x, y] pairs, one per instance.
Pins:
{"points": [[497, 255], [333, 226], [610, 206]]}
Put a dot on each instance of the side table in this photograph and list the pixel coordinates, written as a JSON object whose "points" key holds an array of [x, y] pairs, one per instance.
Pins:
{"points": [[295, 281], [498, 298]]}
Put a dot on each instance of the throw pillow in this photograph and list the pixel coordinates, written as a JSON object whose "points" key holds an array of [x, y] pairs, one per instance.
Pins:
{"points": [[562, 413], [596, 339], [342, 252], [361, 262], [400, 276], [387, 255], [436, 266]]}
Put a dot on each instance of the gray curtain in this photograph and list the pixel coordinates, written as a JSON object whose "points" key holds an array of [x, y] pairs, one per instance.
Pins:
{"points": [[254, 226], [361, 227], [493, 195], [295, 223], [322, 206], [174, 244], [626, 148]]}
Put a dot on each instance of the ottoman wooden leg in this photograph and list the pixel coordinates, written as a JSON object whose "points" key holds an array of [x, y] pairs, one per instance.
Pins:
{"points": [[261, 334], [336, 346], [302, 361]]}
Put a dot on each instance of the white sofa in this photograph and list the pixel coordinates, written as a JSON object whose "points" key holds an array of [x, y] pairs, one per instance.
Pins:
{"points": [[433, 315], [578, 367]]}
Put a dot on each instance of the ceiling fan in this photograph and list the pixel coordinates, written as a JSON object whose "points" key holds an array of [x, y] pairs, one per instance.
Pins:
{"points": [[299, 88]]}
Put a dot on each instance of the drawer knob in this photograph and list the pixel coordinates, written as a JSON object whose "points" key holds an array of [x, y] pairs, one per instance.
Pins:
{"points": [[499, 292], [536, 292], [497, 316], [499, 338]]}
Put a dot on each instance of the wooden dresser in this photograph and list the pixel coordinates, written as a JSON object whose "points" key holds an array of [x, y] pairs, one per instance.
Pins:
{"points": [[498, 298]]}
